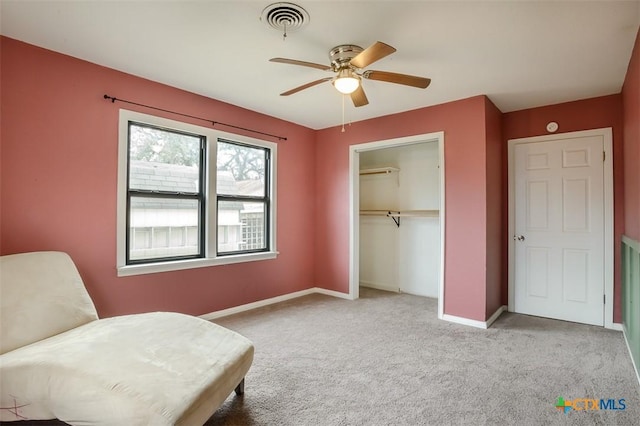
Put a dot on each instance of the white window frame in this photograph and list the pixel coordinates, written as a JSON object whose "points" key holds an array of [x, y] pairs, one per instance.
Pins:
{"points": [[210, 223]]}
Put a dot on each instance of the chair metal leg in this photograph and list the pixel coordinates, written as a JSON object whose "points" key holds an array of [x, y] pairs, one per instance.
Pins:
{"points": [[240, 388]]}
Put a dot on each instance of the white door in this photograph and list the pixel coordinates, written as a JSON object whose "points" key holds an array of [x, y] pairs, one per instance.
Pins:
{"points": [[559, 229]]}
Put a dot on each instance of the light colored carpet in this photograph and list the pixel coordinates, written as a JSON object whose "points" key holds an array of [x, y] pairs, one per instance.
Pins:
{"points": [[386, 359]]}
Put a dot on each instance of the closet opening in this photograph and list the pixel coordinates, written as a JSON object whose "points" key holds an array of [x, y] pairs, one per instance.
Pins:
{"points": [[397, 216]]}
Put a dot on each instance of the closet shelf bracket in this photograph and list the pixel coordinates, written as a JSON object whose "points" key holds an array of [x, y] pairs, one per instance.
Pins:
{"points": [[395, 218]]}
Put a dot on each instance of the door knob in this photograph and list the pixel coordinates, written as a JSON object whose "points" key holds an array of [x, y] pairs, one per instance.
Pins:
{"points": [[518, 237]]}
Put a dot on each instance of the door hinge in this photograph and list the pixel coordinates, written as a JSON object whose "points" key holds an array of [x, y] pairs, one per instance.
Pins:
{"points": [[604, 299], [604, 155]]}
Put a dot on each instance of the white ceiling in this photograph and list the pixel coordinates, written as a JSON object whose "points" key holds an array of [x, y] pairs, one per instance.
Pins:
{"points": [[521, 54]]}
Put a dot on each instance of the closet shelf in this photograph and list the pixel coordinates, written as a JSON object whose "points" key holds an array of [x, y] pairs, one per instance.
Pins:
{"points": [[379, 171], [396, 214]]}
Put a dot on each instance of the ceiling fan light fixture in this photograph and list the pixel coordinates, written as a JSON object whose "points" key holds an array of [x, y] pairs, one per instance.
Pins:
{"points": [[346, 82]]}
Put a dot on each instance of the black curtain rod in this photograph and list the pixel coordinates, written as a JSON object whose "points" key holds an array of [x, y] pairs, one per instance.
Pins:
{"points": [[213, 123]]}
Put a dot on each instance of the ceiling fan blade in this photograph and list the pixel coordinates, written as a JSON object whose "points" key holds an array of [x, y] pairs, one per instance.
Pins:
{"points": [[305, 86], [376, 51], [358, 97], [301, 63], [392, 77]]}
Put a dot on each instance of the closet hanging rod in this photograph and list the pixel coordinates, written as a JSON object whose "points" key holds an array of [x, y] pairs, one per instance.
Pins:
{"points": [[385, 213], [395, 215], [381, 172], [416, 213]]}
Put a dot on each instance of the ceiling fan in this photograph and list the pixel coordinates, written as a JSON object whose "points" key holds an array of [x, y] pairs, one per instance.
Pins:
{"points": [[347, 62]]}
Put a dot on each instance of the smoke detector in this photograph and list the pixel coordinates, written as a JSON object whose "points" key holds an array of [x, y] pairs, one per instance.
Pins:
{"points": [[285, 17]]}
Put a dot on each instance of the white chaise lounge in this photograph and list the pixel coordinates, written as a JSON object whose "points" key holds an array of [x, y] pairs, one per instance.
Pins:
{"points": [[58, 360]]}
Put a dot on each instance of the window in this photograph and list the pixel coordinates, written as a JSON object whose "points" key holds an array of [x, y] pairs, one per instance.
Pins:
{"points": [[190, 196], [165, 190], [242, 187]]}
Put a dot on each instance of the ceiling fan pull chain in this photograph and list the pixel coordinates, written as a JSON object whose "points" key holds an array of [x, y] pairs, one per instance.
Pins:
{"points": [[284, 34], [343, 96]]}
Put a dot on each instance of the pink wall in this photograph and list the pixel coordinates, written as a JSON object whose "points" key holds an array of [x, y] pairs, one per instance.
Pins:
{"points": [[494, 184], [631, 148], [594, 113], [58, 184], [463, 123]]}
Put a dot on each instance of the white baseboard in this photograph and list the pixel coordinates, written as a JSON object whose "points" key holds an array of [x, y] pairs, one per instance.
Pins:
{"points": [[378, 286], [496, 314], [271, 301], [464, 321], [635, 367], [616, 326], [332, 293], [475, 323]]}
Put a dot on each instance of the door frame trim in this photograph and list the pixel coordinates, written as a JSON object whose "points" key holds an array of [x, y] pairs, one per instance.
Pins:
{"points": [[607, 136], [354, 203]]}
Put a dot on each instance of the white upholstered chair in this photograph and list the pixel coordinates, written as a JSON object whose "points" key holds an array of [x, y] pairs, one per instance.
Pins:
{"points": [[58, 360]]}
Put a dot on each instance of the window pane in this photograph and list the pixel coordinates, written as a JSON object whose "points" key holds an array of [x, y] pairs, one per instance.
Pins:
{"points": [[161, 236], [177, 235], [241, 226], [240, 170], [158, 227], [192, 236], [161, 160], [141, 238]]}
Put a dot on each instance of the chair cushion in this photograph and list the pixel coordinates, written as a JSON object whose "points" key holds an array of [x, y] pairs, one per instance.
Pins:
{"points": [[42, 295], [147, 369]]}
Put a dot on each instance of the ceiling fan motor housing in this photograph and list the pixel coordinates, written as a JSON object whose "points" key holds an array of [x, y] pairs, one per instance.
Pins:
{"points": [[340, 56]]}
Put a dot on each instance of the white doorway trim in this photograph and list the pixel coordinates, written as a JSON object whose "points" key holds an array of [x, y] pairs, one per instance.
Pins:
{"points": [[607, 135], [354, 211]]}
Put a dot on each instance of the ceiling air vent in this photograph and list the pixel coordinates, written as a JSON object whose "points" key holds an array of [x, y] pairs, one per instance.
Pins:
{"points": [[285, 17]]}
